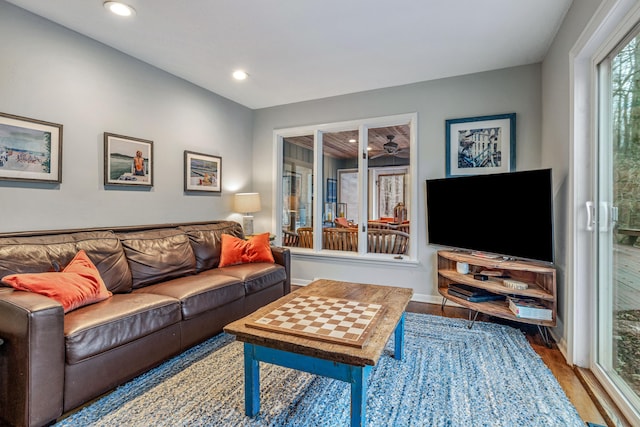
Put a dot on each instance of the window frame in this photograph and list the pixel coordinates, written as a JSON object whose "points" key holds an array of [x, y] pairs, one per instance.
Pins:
{"points": [[363, 125]]}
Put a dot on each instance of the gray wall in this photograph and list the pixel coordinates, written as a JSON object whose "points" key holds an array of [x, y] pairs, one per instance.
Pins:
{"points": [[50, 73], [504, 91]]}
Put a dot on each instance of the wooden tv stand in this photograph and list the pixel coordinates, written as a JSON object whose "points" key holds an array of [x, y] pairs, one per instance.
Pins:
{"points": [[540, 278]]}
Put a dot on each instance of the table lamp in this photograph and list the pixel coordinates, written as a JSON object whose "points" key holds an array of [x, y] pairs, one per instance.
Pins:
{"points": [[247, 203]]}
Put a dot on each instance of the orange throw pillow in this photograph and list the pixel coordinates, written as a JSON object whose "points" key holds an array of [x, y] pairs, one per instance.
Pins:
{"points": [[77, 285], [237, 251]]}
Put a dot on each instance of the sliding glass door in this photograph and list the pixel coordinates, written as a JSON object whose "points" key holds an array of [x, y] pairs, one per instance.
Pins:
{"points": [[617, 210]]}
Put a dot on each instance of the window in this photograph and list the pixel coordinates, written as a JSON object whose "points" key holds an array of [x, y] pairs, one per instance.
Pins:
{"points": [[348, 189]]}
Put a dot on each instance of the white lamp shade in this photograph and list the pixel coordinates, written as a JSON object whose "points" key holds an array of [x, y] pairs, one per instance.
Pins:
{"points": [[247, 202]]}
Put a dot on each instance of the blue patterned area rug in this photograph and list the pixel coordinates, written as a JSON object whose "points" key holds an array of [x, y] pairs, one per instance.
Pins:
{"points": [[450, 376]]}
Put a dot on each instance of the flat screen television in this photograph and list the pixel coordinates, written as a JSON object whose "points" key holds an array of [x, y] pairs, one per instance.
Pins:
{"points": [[506, 214]]}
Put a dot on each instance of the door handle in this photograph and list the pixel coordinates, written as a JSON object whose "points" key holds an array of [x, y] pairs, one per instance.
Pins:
{"points": [[591, 220]]}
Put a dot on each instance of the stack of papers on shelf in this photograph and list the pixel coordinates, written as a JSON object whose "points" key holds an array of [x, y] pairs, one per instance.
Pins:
{"points": [[469, 293], [529, 308]]}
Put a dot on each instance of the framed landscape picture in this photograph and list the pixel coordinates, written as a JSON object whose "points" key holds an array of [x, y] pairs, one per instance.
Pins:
{"points": [[127, 161], [481, 145], [202, 172], [30, 150]]}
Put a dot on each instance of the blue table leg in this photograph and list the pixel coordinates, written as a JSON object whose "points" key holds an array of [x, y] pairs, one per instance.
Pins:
{"points": [[355, 375], [359, 375], [251, 381], [399, 339]]}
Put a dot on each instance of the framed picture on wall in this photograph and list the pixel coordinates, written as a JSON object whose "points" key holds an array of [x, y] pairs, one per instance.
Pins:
{"points": [[127, 161], [202, 172], [480, 145], [30, 149], [348, 192]]}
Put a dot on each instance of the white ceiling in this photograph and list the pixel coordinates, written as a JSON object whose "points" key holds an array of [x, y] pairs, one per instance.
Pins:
{"points": [[298, 50]]}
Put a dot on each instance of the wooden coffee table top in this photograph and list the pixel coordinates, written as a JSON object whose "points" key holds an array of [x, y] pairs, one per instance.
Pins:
{"points": [[393, 300]]}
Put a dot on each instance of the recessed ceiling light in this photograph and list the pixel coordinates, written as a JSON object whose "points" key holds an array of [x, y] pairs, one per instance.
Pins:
{"points": [[352, 140], [240, 75], [119, 8]]}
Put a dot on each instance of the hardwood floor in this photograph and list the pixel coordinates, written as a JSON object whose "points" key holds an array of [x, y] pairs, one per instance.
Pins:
{"points": [[552, 357]]}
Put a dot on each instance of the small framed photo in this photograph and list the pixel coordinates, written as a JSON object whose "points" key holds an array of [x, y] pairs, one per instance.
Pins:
{"points": [[481, 145], [202, 172], [127, 161], [30, 149]]}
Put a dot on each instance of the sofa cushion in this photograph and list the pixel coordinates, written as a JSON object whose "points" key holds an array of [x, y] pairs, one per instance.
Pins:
{"points": [[121, 319], [239, 251], [38, 254], [157, 255], [199, 293], [256, 276], [206, 241], [79, 284]]}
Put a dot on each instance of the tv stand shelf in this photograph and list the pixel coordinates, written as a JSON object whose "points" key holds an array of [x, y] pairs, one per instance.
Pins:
{"points": [[540, 278]]}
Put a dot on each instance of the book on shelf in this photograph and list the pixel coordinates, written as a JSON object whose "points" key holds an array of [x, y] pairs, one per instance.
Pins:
{"points": [[469, 293], [466, 289], [529, 308], [477, 298]]}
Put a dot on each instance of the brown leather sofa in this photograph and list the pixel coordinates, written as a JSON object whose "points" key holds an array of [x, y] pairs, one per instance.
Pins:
{"points": [[168, 294]]}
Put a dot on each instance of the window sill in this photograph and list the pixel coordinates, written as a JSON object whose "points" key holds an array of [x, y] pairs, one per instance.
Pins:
{"points": [[351, 257]]}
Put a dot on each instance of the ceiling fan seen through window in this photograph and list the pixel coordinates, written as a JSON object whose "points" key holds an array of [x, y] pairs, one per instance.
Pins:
{"points": [[390, 148]]}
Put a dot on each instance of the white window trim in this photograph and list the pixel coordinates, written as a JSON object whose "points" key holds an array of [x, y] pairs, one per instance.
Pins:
{"points": [[362, 125]]}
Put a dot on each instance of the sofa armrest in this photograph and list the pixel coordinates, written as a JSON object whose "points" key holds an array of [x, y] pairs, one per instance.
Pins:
{"points": [[31, 358], [282, 256]]}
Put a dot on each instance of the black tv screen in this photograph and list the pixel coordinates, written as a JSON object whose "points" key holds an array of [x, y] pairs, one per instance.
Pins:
{"points": [[508, 214]]}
